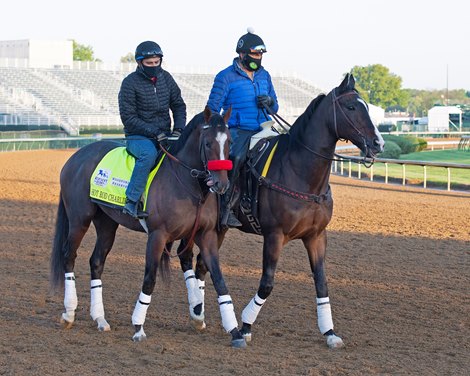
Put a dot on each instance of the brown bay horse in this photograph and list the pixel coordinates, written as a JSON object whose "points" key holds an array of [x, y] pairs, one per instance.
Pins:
{"points": [[182, 203]]}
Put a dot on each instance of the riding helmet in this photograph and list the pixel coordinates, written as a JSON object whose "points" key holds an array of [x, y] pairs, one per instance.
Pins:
{"points": [[250, 41], [148, 49]]}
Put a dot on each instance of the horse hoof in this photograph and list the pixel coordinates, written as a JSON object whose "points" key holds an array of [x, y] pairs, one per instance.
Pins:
{"points": [[103, 325], [245, 331], [139, 336], [239, 343], [66, 321], [247, 337], [334, 342], [198, 325]]}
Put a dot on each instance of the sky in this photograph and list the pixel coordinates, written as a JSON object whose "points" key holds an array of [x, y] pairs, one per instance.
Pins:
{"points": [[426, 43]]}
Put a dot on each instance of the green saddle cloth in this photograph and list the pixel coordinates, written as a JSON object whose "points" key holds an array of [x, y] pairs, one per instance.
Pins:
{"points": [[111, 177]]}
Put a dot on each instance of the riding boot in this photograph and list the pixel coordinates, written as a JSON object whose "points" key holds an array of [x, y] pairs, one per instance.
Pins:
{"points": [[227, 216], [134, 209]]}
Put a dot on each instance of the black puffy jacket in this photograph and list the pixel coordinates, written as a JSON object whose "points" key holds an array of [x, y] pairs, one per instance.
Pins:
{"points": [[144, 106]]}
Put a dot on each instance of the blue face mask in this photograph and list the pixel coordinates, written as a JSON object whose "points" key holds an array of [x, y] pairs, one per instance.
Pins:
{"points": [[151, 72]]}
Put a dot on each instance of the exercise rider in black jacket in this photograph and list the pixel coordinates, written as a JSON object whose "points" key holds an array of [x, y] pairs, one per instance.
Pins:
{"points": [[145, 100]]}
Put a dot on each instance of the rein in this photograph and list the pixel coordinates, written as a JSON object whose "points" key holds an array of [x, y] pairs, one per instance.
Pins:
{"points": [[336, 157], [309, 197], [201, 199], [195, 173]]}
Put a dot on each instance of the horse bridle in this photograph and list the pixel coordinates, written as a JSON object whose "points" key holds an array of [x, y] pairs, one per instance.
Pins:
{"points": [[337, 157], [198, 174]]}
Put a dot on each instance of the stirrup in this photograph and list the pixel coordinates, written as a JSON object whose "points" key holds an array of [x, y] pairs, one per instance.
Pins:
{"points": [[132, 208]]}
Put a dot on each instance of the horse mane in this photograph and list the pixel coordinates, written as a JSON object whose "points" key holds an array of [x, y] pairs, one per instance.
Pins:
{"points": [[193, 124], [302, 120]]}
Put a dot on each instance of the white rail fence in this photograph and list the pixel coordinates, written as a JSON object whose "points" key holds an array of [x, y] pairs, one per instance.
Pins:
{"points": [[350, 166], [344, 168]]}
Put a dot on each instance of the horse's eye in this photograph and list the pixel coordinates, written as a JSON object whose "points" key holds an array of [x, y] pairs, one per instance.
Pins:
{"points": [[208, 144], [350, 107]]}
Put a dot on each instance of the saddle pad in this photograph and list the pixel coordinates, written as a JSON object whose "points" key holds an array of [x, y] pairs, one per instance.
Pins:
{"points": [[111, 177]]}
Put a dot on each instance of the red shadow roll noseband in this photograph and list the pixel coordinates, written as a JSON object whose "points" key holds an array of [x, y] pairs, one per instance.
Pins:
{"points": [[219, 164]]}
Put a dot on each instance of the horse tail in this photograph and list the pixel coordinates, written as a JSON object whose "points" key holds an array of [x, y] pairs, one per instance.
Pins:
{"points": [[58, 247], [164, 266]]}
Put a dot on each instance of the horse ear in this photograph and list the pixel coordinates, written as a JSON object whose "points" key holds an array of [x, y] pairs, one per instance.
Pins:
{"points": [[352, 81], [227, 114], [347, 84], [207, 114]]}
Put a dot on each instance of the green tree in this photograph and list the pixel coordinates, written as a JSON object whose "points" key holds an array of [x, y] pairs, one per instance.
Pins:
{"points": [[83, 53], [129, 58], [422, 100], [377, 85]]}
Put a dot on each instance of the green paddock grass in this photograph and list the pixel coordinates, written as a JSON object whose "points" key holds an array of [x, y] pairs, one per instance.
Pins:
{"points": [[435, 176]]}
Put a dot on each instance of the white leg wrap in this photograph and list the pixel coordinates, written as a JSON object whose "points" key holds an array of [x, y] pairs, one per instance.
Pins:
{"points": [[194, 294], [251, 311], [202, 288], [229, 321], [325, 320], [96, 293], [140, 310], [70, 296]]}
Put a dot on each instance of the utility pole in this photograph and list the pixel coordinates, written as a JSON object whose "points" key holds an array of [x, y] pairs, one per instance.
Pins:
{"points": [[447, 85]]}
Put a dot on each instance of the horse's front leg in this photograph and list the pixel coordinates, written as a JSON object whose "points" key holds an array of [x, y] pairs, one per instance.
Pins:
{"points": [[316, 248], [210, 255], [194, 286], [272, 247], [155, 246]]}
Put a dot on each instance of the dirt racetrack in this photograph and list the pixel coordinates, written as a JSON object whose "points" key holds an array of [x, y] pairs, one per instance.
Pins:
{"points": [[398, 270]]}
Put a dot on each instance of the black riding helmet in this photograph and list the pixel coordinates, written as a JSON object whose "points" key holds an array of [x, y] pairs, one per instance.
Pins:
{"points": [[147, 49], [250, 42]]}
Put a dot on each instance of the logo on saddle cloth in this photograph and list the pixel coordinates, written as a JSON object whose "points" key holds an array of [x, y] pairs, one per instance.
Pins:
{"points": [[111, 177]]}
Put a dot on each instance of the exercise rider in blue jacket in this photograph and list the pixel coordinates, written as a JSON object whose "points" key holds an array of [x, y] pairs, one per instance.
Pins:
{"points": [[246, 87]]}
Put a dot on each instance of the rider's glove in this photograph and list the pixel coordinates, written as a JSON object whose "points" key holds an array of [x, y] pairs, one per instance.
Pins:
{"points": [[264, 101]]}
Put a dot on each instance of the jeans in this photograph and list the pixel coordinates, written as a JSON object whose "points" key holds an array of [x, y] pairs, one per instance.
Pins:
{"points": [[145, 152]]}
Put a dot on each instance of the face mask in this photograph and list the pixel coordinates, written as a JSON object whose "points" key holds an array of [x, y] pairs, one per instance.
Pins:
{"points": [[151, 71], [251, 63]]}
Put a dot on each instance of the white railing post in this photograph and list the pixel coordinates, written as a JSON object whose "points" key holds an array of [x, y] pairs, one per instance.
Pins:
{"points": [[448, 178]]}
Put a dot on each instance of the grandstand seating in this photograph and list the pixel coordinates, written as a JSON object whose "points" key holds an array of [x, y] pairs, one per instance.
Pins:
{"points": [[82, 98]]}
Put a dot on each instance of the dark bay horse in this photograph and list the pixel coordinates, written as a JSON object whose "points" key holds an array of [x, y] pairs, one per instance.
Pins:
{"points": [[181, 204], [295, 200]]}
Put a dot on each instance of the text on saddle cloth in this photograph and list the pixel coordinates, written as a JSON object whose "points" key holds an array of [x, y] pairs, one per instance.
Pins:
{"points": [[111, 177]]}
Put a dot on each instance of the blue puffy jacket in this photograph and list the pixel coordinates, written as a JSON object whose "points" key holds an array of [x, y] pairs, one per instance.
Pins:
{"points": [[233, 87]]}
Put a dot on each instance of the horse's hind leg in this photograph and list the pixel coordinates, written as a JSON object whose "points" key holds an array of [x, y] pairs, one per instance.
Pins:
{"points": [[75, 236], [316, 247], [105, 235], [194, 285]]}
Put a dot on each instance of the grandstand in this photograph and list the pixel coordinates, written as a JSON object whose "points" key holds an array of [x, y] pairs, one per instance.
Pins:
{"points": [[79, 100]]}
